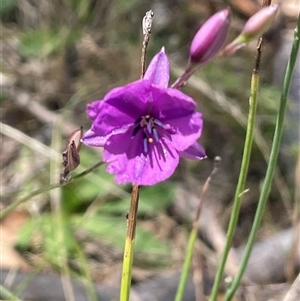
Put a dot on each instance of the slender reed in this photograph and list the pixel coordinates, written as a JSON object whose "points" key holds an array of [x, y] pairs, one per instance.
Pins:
{"points": [[85, 271], [243, 173], [193, 236], [5, 293], [132, 215], [271, 166]]}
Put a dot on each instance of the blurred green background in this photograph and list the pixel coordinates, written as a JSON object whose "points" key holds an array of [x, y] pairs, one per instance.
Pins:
{"points": [[57, 56]]}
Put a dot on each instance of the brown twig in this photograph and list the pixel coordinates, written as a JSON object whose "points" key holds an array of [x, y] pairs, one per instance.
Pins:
{"points": [[147, 23], [131, 222], [217, 162]]}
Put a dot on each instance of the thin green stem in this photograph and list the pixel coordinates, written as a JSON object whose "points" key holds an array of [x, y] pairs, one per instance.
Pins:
{"points": [[271, 166], [85, 270], [187, 263], [193, 235], [127, 269], [129, 245], [241, 183], [5, 293], [29, 277]]}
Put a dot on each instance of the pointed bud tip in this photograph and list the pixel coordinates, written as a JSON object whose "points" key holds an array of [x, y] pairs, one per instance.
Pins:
{"points": [[210, 37], [260, 22], [225, 13]]}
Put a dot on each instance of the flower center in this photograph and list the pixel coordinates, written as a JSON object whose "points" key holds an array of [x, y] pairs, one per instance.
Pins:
{"points": [[150, 127]]}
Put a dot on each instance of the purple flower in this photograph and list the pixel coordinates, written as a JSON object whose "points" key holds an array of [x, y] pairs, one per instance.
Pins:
{"points": [[210, 37], [144, 127]]}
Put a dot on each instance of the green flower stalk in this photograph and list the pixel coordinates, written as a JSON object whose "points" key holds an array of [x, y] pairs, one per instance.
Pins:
{"points": [[241, 183], [271, 166], [129, 245], [193, 236], [243, 171]]}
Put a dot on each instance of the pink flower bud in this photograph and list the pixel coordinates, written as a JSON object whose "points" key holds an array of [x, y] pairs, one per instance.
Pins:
{"points": [[260, 22], [210, 37]]}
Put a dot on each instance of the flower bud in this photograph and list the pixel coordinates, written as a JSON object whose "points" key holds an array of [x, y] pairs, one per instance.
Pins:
{"points": [[210, 37], [260, 22]]}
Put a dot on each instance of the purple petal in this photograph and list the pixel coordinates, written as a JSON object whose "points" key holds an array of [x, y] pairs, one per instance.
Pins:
{"points": [[94, 108], [125, 143], [158, 71], [131, 164], [188, 130], [142, 170], [171, 104], [194, 152], [92, 138], [121, 107], [176, 110]]}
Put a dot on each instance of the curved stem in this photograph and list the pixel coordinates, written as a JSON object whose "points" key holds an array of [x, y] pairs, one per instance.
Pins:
{"points": [[187, 262], [5, 293], [193, 235], [271, 166], [241, 181], [86, 272]]}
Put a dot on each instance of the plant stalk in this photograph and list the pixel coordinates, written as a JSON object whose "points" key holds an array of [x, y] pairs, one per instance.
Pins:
{"points": [[271, 166], [243, 173], [5, 293], [193, 236], [129, 245]]}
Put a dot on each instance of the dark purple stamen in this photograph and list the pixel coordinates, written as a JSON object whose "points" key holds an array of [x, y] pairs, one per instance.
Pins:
{"points": [[157, 122], [138, 121], [145, 141], [135, 130], [150, 127], [155, 134]]}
